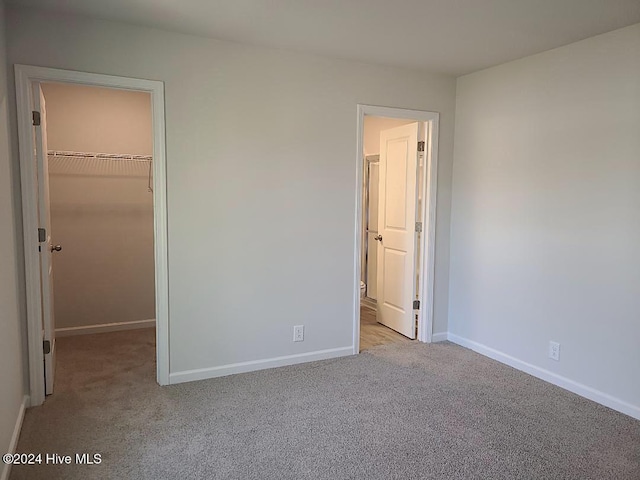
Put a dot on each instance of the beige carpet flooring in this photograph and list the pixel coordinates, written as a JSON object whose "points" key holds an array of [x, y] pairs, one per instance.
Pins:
{"points": [[397, 411]]}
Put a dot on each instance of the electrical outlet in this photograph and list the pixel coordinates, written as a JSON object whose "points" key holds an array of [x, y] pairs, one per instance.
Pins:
{"points": [[554, 351], [298, 333]]}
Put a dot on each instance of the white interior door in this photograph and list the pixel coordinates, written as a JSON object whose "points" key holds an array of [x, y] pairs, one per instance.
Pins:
{"points": [[397, 201], [46, 246]]}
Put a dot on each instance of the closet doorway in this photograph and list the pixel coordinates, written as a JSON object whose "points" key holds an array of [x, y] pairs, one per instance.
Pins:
{"points": [[99, 165], [100, 217]]}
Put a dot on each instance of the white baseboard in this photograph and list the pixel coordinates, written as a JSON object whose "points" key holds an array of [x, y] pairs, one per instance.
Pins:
{"points": [[558, 380], [104, 327], [243, 367], [6, 470], [439, 337]]}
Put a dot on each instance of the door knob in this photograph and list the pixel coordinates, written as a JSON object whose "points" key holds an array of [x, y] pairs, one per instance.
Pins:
{"points": [[57, 248], [378, 238]]}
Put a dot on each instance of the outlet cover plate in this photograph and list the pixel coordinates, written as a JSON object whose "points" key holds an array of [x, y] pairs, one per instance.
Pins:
{"points": [[298, 333], [554, 351]]}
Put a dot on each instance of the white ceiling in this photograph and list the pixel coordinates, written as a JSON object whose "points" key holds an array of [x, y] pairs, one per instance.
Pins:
{"points": [[447, 36]]}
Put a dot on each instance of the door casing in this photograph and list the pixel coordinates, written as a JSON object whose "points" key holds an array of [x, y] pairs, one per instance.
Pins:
{"points": [[428, 209], [25, 77]]}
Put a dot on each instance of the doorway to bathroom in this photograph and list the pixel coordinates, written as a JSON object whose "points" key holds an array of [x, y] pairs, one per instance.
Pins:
{"points": [[397, 168]]}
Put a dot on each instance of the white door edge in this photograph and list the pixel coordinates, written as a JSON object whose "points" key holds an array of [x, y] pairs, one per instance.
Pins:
{"points": [[25, 76], [430, 179]]}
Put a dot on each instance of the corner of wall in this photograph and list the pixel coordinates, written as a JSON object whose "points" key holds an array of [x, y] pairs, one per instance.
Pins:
{"points": [[13, 400], [15, 436]]}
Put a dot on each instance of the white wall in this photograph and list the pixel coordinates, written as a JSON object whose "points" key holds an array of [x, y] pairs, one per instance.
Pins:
{"points": [[94, 119], [546, 213], [256, 139], [11, 357], [101, 210]]}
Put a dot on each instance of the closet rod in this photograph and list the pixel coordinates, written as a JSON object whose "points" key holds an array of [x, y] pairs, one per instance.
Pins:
{"points": [[101, 156]]}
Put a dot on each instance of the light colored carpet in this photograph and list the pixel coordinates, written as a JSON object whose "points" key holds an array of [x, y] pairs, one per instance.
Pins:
{"points": [[401, 411]]}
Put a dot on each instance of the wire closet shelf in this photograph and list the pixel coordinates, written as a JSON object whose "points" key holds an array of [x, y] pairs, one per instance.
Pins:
{"points": [[103, 164], [104, 156]]}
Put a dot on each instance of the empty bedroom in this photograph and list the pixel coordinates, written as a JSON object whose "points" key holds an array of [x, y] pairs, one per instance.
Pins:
{"points": [[319, 240]]}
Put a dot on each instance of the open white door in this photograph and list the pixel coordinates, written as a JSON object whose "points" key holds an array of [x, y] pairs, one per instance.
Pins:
{"points": [[397, 201], [44, 234]]}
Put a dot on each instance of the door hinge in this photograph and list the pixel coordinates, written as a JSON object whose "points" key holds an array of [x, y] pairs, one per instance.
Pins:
{"points": [[46, 347], [36, 118], [42, 235], [419, 227], [421, 146], [416, 304]]}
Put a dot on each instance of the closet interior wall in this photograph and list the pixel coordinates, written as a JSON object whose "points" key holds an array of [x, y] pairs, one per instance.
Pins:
{"points": [[101, 206]]}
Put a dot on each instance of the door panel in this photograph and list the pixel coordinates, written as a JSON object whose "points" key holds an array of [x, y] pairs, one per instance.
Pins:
{"points": [[44, 219], [395, 205], [397, 199], [394, 267]]}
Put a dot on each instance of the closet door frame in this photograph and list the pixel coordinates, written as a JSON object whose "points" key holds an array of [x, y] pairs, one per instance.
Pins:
{"points": [[25, 77]]}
